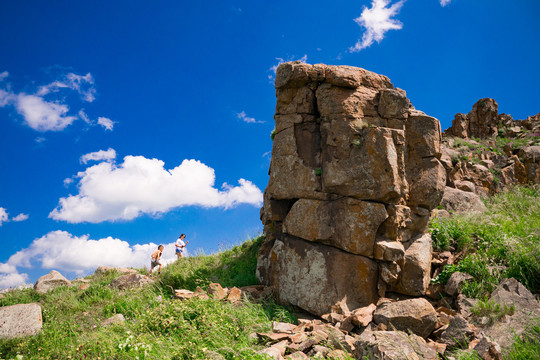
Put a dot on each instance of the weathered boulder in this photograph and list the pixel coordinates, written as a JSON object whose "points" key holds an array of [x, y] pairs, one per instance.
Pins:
{"points": [[354, 175], [131, 281], [416, 269], [50, 281], [315, 277], [339, 223], [458, 333], [392, 345], [459, 201], [511, 292], [20, 320], [455, 282], [416, 315]]}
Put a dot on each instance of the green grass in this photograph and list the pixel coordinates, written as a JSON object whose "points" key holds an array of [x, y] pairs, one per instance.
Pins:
{"points": [[491, 310], [503, 242], [526, 346], [157, 326]]}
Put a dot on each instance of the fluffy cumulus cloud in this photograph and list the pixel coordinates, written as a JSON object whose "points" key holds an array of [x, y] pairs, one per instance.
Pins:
{"points": [[3, 215], [106, 155], [110, 191], [43, 113], [65, 252], [444, 2], [377, 21]]}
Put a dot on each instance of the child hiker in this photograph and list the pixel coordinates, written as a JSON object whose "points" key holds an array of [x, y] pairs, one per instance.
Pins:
{"points": [[156, 259], [180, 245]]}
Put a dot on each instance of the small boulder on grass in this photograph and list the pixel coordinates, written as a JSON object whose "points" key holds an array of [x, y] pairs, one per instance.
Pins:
{"points": [[50, 281], [20, 320], [115, 319], [131, 281], [217, 291]]}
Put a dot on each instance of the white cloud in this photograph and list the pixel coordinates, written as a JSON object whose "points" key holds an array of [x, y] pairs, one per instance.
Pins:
{"points": [[42, 115], [107, 155], [444, 2], [273, 68], [40, 139], [108, 191], [3, 216], [242, 116], [20, 217], [45, 115], [65, 252], [107, 123], [12, 280], [83, 84], [6, 98], [377, 20]]}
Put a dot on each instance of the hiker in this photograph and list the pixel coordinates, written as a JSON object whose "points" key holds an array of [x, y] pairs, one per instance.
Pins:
{"points": [[180, 245], [156, 259]]}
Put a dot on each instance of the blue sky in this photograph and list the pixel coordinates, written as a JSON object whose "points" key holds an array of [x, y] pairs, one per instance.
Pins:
{"points": [[121, 120]]}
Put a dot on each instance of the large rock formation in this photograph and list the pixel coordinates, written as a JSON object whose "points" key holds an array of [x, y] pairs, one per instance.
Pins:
{"points": [[353, 177]]}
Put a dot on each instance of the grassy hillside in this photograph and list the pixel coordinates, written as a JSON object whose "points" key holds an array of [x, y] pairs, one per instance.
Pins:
{"points": [[156, 326], [503, 242]]}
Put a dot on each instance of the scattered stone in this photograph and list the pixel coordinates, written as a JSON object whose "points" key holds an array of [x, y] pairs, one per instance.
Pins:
{"points": [[464, 305], [50, 281], [131, 281], [319, 352], [456, 280], [511, 292], [392, 345], [217, 292], [363, 316], [458, 333], [276, 351], [459, 201], [416, 315], [283, 327], [104, 269], [184, 294], [20, 320], [83, 287], [115, 319], [273, 336], [488, 350], [235, 295], [337, 355], [303, 346], [438, 347], [299, 355]]}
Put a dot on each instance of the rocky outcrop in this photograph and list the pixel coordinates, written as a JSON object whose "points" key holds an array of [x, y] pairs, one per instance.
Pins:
{"points": [[20, 320], [483, 151], [50, 281], [354, 175]]}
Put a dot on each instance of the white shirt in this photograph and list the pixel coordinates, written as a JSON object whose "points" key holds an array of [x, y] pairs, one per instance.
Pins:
{"points": [[180, 243]]}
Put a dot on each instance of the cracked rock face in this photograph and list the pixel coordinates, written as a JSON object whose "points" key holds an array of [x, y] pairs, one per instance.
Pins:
{"points": [[354, 175]]}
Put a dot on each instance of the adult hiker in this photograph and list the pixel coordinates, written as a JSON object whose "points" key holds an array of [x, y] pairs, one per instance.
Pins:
{"points": [[180, 245], [156, 259]]}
